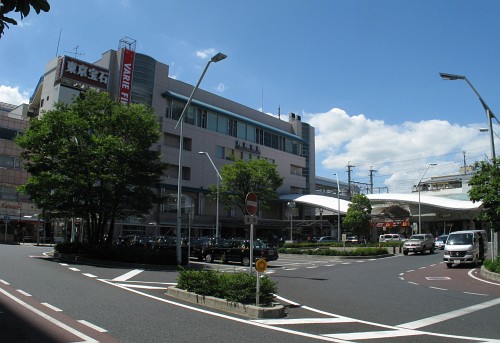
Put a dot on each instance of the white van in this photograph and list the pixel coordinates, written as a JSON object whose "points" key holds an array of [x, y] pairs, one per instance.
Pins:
{"points": [[468, 246]]}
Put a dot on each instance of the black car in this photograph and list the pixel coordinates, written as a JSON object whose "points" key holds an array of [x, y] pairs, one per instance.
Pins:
{"points": [[239, 251]]}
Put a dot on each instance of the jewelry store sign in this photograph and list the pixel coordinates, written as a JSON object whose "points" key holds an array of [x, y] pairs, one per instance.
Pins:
{"points": [[80, 72]]}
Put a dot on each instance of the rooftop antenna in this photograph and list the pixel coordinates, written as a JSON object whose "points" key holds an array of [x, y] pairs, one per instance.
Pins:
{"points": [[58, 41], [279, 112], [75, 52], [262, 99], [127, 43]]}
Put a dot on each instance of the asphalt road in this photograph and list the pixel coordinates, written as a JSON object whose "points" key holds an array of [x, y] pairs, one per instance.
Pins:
{"points": [[411, 298]]}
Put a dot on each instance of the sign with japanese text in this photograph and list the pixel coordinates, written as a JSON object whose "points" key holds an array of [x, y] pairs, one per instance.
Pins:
{"points": [[69, 68]]}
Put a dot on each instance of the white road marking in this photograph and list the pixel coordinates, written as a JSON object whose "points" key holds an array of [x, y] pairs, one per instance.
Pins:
{"points": [[485, 295], [141, 286], [284, 321], [4, 282], [54, 321], [437, 278], [89, 275], [74, 269], [90, 325], [52, 307], [374, 334], [449, 315], [439, 289], [24, 293], [413, 283], [475, 277], [64, 264], [128, 275]]}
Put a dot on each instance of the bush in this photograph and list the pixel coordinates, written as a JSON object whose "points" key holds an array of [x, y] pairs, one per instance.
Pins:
{"points": [[332, 252], [492, 265], [120, 253], [237, 287]]}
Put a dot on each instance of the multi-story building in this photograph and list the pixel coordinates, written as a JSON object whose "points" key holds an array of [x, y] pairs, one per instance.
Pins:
{"points": [[19, 217], [213, 124]]}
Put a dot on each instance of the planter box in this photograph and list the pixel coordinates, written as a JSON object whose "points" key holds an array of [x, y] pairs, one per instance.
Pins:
{"points": [[251, 311]]}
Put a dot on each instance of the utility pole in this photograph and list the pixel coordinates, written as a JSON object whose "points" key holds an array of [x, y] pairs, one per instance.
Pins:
{"points": [[371, 179], [349, 167]]}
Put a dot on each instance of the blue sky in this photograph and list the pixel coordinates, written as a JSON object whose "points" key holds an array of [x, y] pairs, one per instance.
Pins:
{"points": [[364, 73]]}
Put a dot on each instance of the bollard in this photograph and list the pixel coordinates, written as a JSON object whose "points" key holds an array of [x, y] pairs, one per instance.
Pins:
{"points": [[394, 250]]}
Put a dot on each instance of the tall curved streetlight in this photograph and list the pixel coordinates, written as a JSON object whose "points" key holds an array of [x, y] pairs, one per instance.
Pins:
{"points": [[490, 116], [418, 186], [489, 112], [218, 57], [219, 178]]}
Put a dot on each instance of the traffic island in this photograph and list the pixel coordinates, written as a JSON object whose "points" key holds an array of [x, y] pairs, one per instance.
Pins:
{"points": [[251, 311]]}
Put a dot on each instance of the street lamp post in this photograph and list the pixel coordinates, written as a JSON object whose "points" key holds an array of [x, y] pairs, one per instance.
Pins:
{"points": [[418, 186], [291, 206], [219, 178], [338, 208], [489, 112], [490, 116], [218, 57]]}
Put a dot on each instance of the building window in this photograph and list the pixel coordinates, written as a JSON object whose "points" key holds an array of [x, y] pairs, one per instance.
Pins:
{"points": [[233, 128], [10, 162], [212, 121], [7, 133]]}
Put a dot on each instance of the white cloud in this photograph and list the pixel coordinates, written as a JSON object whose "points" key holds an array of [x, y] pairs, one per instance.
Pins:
{"points": [[206, 53], [221, 87], [12, 95], [398, 153]]}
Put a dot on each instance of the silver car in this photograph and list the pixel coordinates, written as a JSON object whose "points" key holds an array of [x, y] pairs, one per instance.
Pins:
{"points": [[441, 242], [419, 243]]}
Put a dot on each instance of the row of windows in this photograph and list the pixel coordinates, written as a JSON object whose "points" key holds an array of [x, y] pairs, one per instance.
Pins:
{"points": [[222, 124], [10, 162]]}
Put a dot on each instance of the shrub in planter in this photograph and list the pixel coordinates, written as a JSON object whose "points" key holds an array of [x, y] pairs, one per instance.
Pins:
{"points": [[492, 265], [237, 287]]}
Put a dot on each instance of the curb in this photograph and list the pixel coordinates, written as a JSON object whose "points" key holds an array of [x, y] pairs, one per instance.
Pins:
{"points": [[489, 275], [251, 311]]}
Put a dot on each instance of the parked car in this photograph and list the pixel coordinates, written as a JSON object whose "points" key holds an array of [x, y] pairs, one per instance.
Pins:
{"points": [[419, 243], [353, 239], [440, 242], [389, 237], [326, 239], [239, 251]]}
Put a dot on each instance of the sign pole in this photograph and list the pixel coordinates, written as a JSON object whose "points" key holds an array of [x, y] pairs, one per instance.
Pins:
{"points": [[257, 296], [251, 247]]}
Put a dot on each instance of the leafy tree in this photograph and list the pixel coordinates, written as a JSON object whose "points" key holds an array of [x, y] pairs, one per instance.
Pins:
{"points": [[21, 6], [92, 159], [240, 178], [358, 216], [485, 187]]}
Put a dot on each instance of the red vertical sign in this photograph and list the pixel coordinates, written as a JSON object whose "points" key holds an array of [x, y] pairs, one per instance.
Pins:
{"points": [[126, 75]]}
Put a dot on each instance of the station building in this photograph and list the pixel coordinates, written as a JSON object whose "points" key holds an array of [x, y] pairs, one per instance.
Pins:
{"points": [[218, 126]]}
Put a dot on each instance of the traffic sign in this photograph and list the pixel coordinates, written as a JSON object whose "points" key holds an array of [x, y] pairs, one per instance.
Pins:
{"points": [[251, 203], [261, 265]]}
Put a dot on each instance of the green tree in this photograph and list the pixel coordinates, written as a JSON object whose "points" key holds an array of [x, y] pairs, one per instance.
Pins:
{"points": [[92, 159], [358, 216], [21, 6], [240, 177], [485, 187]]}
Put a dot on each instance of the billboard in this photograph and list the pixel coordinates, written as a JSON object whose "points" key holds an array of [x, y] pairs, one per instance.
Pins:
{"points": [[75, 72], [127, 70]]}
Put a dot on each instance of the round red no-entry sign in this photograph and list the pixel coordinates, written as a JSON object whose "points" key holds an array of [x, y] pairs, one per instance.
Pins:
{"points": [[251, 203]]}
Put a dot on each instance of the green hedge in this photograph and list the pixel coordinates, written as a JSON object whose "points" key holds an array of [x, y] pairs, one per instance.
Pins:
{"points": [[120, 253], [492, 265], [333, 252], [237, 287], [341, 244]]}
